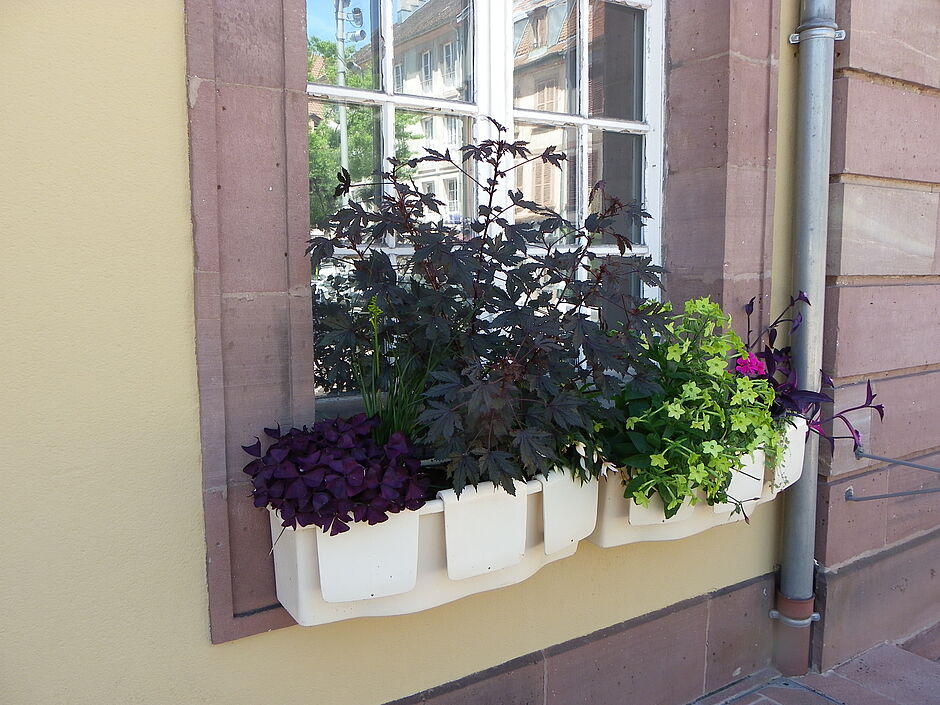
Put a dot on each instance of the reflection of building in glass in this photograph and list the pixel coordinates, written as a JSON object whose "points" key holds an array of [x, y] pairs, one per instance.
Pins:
{"points": [[544, 55], [417, 131], [431, 55], [431, 46], [546, 79]]}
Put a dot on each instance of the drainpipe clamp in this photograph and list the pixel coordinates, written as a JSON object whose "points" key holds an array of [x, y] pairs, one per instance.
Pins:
{"points": [[790, 622], [838, 34]]}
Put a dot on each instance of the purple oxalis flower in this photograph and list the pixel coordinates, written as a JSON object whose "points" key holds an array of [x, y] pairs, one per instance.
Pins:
{"points": [[334, 473]]}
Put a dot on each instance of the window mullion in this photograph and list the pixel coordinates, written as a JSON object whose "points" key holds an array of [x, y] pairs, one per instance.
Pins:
{"points": [[386, 39], [654, 80], [581, 179], [493, 75], [582, 53], [388, 85]]}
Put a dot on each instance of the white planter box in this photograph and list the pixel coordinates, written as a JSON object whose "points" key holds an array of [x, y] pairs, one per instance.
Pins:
{"points": [[569, 509], [790, 467], [747, 485], [418, 560], [654, 513], [621, 521], [369, 561], [484, 529]]}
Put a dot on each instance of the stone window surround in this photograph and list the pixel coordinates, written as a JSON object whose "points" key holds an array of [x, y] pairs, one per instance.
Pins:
{"points": [[248, 126]]}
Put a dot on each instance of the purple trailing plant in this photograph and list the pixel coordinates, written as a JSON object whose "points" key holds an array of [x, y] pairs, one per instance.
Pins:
{"points": [[775, 364], [334, 473]]}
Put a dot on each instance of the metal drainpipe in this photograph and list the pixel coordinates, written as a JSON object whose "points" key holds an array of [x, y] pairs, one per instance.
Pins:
{"points": [[816, 36]]}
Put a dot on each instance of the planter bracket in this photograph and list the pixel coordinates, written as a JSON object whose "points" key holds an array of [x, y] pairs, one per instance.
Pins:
{"points": [[860, 453]]}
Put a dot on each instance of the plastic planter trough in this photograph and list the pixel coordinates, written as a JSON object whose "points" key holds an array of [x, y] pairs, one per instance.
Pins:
{"points": [[448, 549]]}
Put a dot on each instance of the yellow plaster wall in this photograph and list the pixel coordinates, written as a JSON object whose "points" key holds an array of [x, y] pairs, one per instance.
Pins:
{"points": [[102, 578], [784, 191]]}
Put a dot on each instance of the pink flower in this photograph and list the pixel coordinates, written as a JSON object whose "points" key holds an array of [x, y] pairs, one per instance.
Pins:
{"points": [[750, 366]]}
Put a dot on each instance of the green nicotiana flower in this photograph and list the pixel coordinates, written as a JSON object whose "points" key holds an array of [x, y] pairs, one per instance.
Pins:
{"points": [[716, 365], [740, 422], [674, 409], [712, 448]]}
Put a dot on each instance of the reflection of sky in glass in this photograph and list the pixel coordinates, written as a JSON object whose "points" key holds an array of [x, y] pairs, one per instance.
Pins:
{"points": [[321, 18]]}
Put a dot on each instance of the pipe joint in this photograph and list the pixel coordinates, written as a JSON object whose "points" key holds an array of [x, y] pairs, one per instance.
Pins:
{"points": [[817, 21]]}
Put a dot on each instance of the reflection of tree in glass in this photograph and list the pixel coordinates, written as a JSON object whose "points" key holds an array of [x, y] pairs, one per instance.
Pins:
{"points": [[362, 125]]}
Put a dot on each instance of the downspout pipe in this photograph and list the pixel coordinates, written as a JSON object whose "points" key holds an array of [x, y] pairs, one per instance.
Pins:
{"points": [[795, 597]]}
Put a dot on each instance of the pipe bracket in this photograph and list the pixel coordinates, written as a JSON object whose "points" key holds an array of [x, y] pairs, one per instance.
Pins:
{"points": [[837, 34], [790, 622]]}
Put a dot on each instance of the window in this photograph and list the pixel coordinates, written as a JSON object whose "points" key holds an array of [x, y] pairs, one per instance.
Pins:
{"points": [[454, 133], [585, 76], [450, 63], [452, 189], [537, 26], [545, 92], [399, 78], [427, 129], [358, 115], [543, 183], [427, 72]]}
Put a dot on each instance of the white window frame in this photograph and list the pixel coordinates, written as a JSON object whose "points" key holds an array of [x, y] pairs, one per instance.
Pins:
{"points": [[492, 47]]}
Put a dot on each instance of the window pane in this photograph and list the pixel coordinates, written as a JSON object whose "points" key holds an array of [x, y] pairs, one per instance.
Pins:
{"points": [[617, 160], [545, 65], [433, 47], [348, 29], [342, 135], [615, 56], [543, 183], [417, 131]]}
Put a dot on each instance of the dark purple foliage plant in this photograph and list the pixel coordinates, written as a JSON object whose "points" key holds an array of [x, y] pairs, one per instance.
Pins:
{"points": [[775, 364], [498, 335], [334, 473]]}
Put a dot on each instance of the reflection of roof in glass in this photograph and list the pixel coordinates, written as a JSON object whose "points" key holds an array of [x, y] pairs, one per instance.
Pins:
{"points": [[560, 27], [430, 16]]}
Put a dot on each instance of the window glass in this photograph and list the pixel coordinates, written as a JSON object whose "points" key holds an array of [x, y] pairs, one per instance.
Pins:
{"points": [[545, 55], [617, 160], [543, 183], [615, 61], [414, 133], [342, 43], [341, 135], [432, 42]]}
